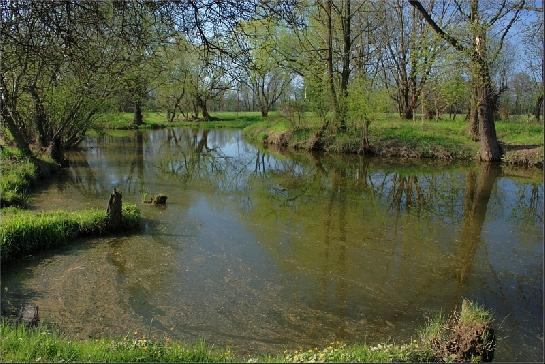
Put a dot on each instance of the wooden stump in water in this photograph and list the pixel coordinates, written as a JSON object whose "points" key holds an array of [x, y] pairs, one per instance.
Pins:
{"points": [[160, 199], [29, 316], [114, 211], [157, 200]]}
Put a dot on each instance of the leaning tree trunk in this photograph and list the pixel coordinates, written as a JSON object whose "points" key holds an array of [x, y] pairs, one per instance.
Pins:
{"points": [[18, 135], [114, 212], [138, 118]]}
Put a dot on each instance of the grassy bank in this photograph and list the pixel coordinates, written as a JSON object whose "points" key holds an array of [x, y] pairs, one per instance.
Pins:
{"points": [[391, 137], [18, 174], [464, 336], [24, 232], [124, 121]]}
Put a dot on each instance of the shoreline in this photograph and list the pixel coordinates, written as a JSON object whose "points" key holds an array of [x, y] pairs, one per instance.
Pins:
{"points": [[415, 148], [465, 335]]}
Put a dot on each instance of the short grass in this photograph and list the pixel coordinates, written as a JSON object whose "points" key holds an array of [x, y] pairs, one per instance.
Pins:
{"points": [[124, 121], [23, 232], [391, 136], [20, 344]]}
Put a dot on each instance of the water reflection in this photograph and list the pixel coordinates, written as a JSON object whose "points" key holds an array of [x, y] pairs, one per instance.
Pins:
{"points": [[264, 250]]}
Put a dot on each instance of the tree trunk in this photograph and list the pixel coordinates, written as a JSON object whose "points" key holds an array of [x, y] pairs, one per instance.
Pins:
{"points": [[17, 134], [408, 113], [331, 79], [56, 151], [40, 119], [486, 99], [264, 111], [345, 73], [365, 147], [114, 212], [538, 108], [138, 118], [473, 127], [202, 104]]}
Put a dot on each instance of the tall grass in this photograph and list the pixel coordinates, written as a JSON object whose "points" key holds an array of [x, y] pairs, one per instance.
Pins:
{"points": [[20, 344], [17, 175], [23, 232]]}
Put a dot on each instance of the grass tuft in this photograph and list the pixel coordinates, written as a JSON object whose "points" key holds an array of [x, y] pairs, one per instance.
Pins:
{"points": [[24, 232]]}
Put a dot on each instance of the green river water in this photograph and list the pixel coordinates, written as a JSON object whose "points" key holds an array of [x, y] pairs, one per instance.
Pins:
{"points": [[265, 250]]}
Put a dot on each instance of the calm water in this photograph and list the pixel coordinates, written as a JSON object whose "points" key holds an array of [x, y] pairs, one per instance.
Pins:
{"points": [[268, 251]]}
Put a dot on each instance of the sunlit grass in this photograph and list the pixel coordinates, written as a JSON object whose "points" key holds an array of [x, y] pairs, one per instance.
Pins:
{"points": [[121, 120], [18, 174], [23, 232], [20, 344], [390, 136]]}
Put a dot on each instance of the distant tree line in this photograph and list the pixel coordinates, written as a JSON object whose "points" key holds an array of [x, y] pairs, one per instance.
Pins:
{"points": [[65, 62]]}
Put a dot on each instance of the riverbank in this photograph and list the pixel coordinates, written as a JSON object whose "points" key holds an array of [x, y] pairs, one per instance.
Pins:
{"points": [[25, 232], [18, 174], [156, 120], [465, 335], [391, 137]]}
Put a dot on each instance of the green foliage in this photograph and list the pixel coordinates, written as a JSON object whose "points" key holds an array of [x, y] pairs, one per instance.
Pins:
{"points": [[365, 103], [23, 232], [453, 91]]}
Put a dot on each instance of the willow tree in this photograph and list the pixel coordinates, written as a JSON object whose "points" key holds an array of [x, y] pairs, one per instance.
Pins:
{"points": [[484, 95], [61, 62]]}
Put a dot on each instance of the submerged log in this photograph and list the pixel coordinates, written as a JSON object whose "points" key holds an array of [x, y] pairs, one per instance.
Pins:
{"points": [[114, 211], [29, 316]]}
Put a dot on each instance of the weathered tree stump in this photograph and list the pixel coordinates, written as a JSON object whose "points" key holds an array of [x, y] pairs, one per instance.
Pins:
{"points": [[157, 200], [160, 199], [29, 316], [114, 212]]}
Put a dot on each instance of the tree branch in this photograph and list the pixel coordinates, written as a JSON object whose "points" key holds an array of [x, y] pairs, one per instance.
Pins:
{"points": [[453, 41]]}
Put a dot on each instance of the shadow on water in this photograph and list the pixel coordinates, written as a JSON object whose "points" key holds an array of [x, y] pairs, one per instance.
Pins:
{"points": [[266, 250]]}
